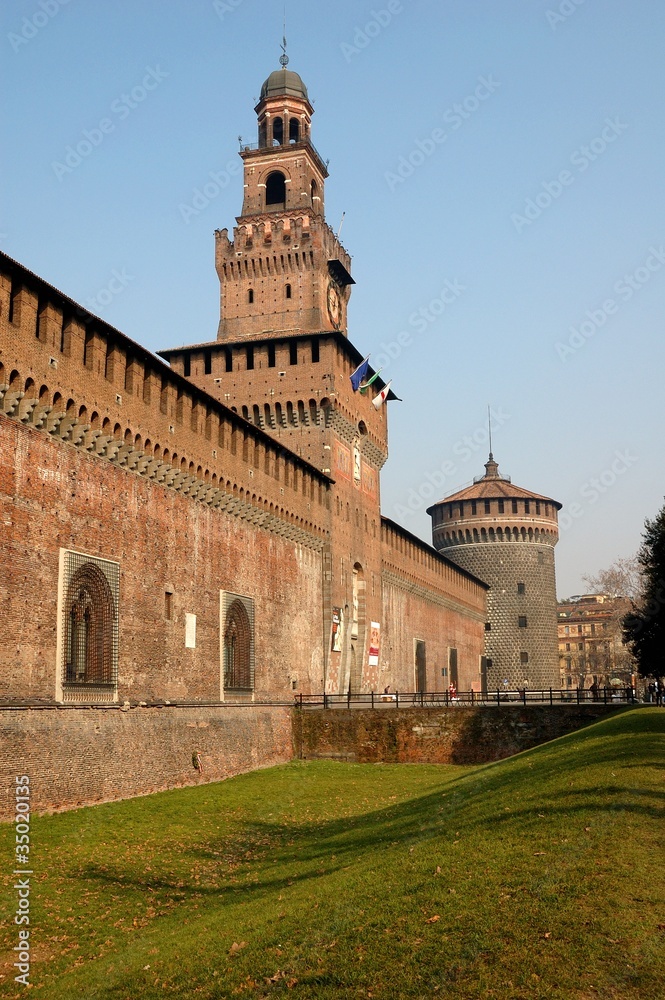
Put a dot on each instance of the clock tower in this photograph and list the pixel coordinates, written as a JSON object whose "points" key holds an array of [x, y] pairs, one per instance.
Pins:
{"points": [[282, 360], [285, 271]]}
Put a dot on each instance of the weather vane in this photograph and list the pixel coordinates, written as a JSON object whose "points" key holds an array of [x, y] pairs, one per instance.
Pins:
{"points": [[284, 59]]}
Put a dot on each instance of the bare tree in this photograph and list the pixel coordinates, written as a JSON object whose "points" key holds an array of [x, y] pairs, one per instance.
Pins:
{"points": [[622, 579]]}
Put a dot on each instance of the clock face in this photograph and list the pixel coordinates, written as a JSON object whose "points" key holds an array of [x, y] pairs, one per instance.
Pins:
{"points": [[334, 305]]}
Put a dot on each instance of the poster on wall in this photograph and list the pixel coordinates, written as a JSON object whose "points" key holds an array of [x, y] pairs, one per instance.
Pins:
{"points": [[337, 630], [374, 640]]}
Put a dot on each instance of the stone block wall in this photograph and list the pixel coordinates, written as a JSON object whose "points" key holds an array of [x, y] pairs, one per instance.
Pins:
{"points": [[453, 735], [81, 756]]}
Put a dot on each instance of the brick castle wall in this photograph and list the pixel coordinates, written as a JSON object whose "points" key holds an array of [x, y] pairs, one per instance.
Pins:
{"points": [[53, 495]]}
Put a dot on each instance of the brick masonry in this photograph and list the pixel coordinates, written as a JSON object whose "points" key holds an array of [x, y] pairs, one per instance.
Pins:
{"points": [[434, 736], [82, 756]]}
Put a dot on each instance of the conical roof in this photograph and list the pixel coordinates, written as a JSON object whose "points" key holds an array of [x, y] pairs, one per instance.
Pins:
{"points": [[493, 486]]}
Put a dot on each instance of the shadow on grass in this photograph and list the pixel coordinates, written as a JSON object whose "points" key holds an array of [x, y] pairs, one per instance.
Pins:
{"points": [[533, 786]]}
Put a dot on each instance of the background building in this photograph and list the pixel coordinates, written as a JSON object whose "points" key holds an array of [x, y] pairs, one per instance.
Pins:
{"points": [[590, 646]]}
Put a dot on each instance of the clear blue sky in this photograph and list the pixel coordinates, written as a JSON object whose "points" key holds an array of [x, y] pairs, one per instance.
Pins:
{"points": [[563, 109]]}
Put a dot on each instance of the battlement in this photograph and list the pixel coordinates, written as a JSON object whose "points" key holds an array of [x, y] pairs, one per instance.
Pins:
{"points": [[408, 556], [70, 374]]}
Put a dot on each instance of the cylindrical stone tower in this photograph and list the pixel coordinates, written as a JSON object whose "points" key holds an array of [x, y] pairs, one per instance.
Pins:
{"points": [[506, 536]]}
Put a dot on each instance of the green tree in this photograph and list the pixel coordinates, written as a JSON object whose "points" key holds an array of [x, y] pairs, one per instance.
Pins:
{"points": [[644, 625]]}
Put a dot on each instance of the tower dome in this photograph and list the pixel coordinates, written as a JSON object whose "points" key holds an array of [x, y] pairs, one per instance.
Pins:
{"points": [[284, 83], [505, 535]]}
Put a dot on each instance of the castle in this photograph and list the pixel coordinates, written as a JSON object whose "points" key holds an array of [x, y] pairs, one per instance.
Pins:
{"points": [[206, 534]]}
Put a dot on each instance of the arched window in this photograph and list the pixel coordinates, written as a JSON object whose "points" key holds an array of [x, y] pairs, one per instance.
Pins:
{"points": [[238, 646], [277, 132], [276, 188], [288, 291], [314, 192], [294, 130], [250, 296], [90, 622]]}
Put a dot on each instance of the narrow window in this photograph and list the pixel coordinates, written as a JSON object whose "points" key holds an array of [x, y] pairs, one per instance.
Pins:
{"points": [[294, 130], [527, 507], [271, 355], [521, 621], [461, 508], [40, 324], [250, 358], [521, 588], [64, 331], [288, 291], [277, 132], [250, 296], [87, 349], [501, 507], [293, 352], [487, 507], [187, 366], [514, 506], [537, 506], [13, 295], [488, 626], [474, 507], [168, 605], [207, 362], [228, 358]]}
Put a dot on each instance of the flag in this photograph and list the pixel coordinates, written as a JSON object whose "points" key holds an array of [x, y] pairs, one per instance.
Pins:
{"points": [[379, 400], [367, 384], [359, 374]]}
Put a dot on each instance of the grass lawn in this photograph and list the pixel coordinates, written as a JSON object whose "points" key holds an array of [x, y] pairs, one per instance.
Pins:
{"points": [[537, 877]]}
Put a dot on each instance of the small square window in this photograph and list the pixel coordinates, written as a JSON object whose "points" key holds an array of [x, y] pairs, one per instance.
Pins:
{"points": [[488, 626], [521, 621], [524, 657], [521, 588]]}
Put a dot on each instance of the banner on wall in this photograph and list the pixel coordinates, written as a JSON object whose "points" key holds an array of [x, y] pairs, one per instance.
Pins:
{"points": [[337, 630], [374, 641]]}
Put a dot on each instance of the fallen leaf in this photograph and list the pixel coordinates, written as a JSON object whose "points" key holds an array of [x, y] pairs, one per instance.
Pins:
{"points": [[235, 947], [433, 920], [539, 854], [547, 935], [438, 869]]}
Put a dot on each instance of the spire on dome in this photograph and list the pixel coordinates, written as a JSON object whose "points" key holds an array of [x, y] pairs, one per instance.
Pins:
{"points": [[492, 468]]}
